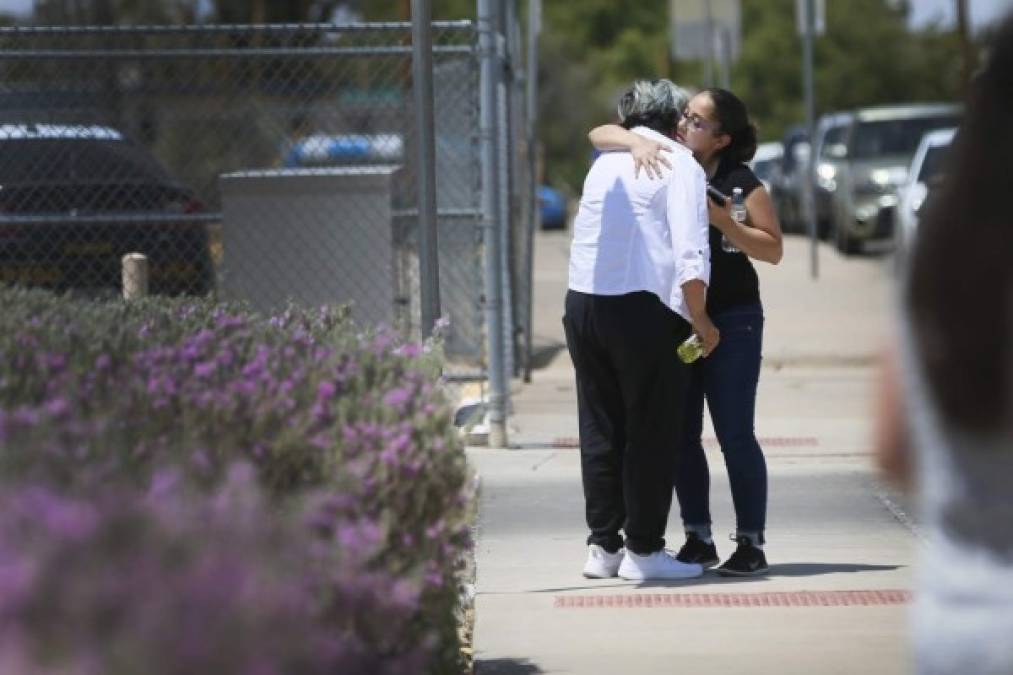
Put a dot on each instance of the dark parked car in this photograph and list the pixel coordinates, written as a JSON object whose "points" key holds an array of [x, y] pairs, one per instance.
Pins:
{"points": [[788, 180], [75, 199]]}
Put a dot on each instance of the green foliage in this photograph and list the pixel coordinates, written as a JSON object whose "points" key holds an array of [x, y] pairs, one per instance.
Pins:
{"points": [[127, 12], [593, 49], [400, 10], [590, 51], [112, 12]]}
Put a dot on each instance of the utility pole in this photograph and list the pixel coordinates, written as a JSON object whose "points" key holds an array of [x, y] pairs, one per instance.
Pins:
{"points": [[809, 193], [708, 64], [422, 86]]}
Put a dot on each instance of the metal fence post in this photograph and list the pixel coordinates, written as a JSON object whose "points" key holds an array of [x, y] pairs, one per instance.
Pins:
{"points": [[517, 132], [505, 149], [422, 82], [488, 134], [534, 29]]}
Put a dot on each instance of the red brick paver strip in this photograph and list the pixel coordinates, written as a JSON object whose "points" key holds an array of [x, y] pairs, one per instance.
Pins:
{"points": [[783, 599]]}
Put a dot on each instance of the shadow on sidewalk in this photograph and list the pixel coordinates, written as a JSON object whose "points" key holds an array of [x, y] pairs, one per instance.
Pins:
{"points": [[543, 355], [815, 569], [506, 667], [618, 585], [779, 570]]}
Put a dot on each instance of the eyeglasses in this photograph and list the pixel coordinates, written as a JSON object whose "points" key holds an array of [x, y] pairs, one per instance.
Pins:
{"points": [[697, 122]]}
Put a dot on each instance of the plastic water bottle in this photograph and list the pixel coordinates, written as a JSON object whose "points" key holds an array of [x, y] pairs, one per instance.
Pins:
{"points": [[738, 215], [691, 349]]}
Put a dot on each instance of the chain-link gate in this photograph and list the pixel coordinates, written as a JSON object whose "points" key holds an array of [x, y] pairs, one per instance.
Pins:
{"points": [[264, 163]]}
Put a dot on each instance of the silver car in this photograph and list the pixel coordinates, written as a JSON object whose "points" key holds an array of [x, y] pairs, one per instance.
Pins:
{"points": [[866, 164], [831, 130], [925, 173]]}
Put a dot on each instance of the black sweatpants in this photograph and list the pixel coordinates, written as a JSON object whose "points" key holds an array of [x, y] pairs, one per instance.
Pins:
{"points": [[630, 389]]}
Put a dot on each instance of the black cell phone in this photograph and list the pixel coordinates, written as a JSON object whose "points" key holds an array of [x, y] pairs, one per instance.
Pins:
{"points": [[719, 197]]}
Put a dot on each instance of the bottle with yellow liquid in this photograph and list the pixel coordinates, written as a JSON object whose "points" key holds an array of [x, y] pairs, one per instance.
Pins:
{"points": [[691, 349]]}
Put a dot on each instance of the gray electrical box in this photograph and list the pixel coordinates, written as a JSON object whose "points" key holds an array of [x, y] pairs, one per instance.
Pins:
{"points": [[312, 236]]}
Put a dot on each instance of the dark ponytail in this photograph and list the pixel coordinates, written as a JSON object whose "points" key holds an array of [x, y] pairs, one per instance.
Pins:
{"points": [[733, 117]]}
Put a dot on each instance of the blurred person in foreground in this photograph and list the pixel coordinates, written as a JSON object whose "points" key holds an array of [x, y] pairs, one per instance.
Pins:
{"points": [[946, 398], [639, 268], [715, 126]]}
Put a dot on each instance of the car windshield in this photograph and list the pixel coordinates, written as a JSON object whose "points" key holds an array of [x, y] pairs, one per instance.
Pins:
{"points": [[894, 137], [834, 137], [934, 163], [56, 160]]}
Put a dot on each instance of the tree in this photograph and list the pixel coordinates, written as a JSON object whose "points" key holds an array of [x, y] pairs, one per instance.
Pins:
{"points": [[867, 57], [590, 51], [400, 10], [271, 11]]}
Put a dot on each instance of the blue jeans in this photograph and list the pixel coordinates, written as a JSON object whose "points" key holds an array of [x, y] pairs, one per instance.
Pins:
{"points": [[727, 379]]}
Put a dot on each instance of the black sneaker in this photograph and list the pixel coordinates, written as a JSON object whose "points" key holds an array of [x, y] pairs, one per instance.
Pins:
{"points": [[695, 550], [747, 561]]}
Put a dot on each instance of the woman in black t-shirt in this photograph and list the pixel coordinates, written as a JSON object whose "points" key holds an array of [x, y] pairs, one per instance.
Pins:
{"points": [[716, 127]]}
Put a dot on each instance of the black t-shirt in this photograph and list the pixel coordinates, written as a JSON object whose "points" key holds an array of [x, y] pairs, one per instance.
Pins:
{"points": [[733, 279]]}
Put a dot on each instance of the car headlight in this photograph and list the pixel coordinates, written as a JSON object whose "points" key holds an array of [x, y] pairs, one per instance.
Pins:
{"points": [[888, 179], [825, 177], [880, 177]]}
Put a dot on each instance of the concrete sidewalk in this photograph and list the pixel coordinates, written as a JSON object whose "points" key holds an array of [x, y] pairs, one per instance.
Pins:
{"points": [[840, 544]]}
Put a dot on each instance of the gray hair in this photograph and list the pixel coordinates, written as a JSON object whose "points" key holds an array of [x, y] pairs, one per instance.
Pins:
{"points": [[647, 99]]}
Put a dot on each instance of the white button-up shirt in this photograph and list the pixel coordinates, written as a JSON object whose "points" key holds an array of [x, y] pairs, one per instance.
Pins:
{"points": [[642, 234]]}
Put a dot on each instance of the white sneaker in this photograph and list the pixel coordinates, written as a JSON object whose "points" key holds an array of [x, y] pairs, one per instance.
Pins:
{"points": [[600, 563], [658, 565]]}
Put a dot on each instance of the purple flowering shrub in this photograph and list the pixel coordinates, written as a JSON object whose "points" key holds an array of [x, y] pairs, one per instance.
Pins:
{"points": [[98, 396], [170, 583]]}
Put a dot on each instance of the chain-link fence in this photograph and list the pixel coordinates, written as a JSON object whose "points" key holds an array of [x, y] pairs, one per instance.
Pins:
{"points": [[262, 163]]}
